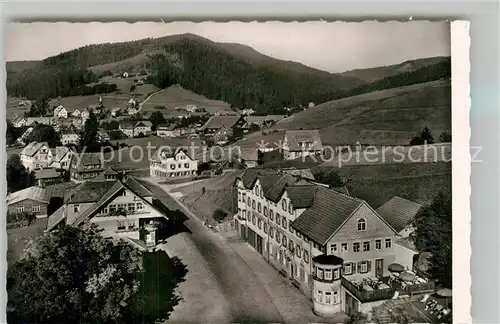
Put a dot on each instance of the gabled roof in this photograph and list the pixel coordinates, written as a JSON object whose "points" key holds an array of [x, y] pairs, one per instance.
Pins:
{"points": [[399, 212], [84, 159], [56, 218], [89, 191], [303, 173], [32, 148], [218, 122], [39, 120], [408, 243], [144, 123], [127, 125], [295, 137], [329, 210], [33, 193], [166, 127], [167, 152]]}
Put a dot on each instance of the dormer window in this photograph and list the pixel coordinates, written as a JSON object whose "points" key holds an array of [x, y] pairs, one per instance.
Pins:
{"points": [[361, 224]]}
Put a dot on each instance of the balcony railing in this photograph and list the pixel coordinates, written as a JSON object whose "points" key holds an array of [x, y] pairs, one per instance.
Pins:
{"points": [[365, 296]]}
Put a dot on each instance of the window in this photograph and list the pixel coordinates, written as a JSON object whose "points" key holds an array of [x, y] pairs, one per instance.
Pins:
{"points": [[361, 224], [335, 297], [364, 267], [265, 211], [249, 203], [333, 248], [290, 244], [249, 216], [378, 244], [120, 225], [179, 165], [343, 247], [319, 273], [283, 204], [278, 237], [140, 206], [35, 208], [131, 207], [186, 165], [290, 226], [348, 268], [336, 274], [259, 207], [290, 208], [131, 225], [265, 228], [298, 250], [271, 232], [20, 209], [76, 208], [388, 243], [253, 204], [306, 256], [283, 222], [328, 297], [278, 219], [253, 219], [284, 242], [366, 246], [172, 166], [259, 223], [320, 296], [271, 215], [256, 190], [328, 274], [355, 247]]}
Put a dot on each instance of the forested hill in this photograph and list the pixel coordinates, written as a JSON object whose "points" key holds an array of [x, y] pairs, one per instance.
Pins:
{"points": [[231, 72]]}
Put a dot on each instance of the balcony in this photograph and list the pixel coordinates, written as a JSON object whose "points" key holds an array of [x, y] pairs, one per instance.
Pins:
{"points": [[369, 289]]}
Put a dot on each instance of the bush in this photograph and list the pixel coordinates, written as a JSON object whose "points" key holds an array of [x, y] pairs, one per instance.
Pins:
{"points": [[219, 215]]}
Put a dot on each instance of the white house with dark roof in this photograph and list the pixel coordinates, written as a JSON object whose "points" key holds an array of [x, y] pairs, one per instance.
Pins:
{"points": [[61, 158], [142, 128], [301, 143], [169, 164], [291, 220], [60, 112], [19, 121], [70, 137], [123, 209], [219, 128], [36, 155], [85, 166]]}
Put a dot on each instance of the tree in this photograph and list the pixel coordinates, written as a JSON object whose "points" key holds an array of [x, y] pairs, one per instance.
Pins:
{"points": [[219, 215], [424, 137], [445, 137], [88, 137], [18, 177], [132, 88], [74, 275], [12, 133], [433, 234], [329, 177], [157, 119], [44, 133]]}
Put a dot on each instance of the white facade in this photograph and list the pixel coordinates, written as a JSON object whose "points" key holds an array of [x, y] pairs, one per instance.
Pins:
{"points": [[76, 113], [39, 158], [177, 166], [72, 138], [60, 112]]}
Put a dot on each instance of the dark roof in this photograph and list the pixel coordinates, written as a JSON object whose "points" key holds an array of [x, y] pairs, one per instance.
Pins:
{"points": [[399, 212], [221, 121], [47, 173], [295, 137], [330, 209], [137, 187], [301, 196], [85, 159], [90, 191], [343, 190], [328, 259], [408, 243]]}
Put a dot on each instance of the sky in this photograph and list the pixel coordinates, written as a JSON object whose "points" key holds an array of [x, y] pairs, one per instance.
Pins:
{"points": [[333, 47]]}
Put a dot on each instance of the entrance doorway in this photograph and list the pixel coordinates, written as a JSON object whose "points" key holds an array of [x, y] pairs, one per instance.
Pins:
{"points": [[379, 268]]}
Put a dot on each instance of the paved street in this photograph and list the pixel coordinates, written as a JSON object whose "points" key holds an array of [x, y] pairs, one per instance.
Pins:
{"points": [[227, 281]]}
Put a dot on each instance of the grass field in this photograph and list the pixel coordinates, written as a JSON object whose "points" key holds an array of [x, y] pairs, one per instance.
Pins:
{"points": [[17, 238], [388, 117], [176, 96], [12, 107], [378, 183]]}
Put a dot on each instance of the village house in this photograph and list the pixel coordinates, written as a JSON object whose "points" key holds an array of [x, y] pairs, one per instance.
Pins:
{"points": [[220, 128], [168, 164], [191, 108], [19, 121], [36, 155], [33, 121], [123, 209], [84, 115], [103, 136], [24, 137], [127, 129], [327, 242], [131, 111], [85, 166], [61, 158], [70, 138], [32, 200], [115, 112], [76, 113], [48, 176], [167, 131], [60, 112], [301, 143], [247, 112], [142, 128]]}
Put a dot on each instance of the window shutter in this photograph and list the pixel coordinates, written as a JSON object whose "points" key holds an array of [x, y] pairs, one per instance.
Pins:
{"points": [[369, 266], [359, 267], [353, 265]]}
